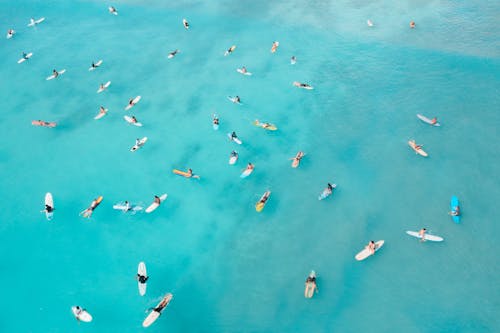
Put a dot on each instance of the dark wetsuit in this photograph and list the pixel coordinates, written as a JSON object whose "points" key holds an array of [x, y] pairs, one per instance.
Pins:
{"points": [[142, 278]]}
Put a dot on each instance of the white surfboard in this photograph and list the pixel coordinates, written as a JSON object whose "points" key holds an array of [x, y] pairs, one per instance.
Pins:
{"points": [[101, 114], [50, 202], [369, 23], [428, 237], [131, 121], [29, 55], [97, 64], [62, 71], [104, 87], [35, 22], [153, 315], [233, 99], [139, 144], [134, 102], [130, 208], [365, 253], [155, 205], [141, 270], [239, 70], [238, 141], [81, 314], [427, 120]]}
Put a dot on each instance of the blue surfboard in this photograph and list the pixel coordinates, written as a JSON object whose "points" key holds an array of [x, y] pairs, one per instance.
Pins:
{"points": [[455, 205]]}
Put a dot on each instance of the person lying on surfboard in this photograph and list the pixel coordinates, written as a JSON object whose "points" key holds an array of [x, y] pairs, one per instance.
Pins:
{"points": [[302, 85], [312, 280], [131, 102], [250, 166], [422, 234]]}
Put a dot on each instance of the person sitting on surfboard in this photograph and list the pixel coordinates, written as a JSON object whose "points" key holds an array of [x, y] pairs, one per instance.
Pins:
{"points": [[250, 166], [422, 234], [293, 60], [229, 50], [102, 110], [157, 200], [412, 24], [10, 32], [243, 70], [131, 102], [236, 99], [216, 120], [142, 278], [455, 211], [112, 10], [434, 120], [234, 153], [79, 311], [93, 65], [55, 73], [25, 55], [264, 199], [234, 136], [49, 209], [133, 119], [371, 247], [330, 188]]}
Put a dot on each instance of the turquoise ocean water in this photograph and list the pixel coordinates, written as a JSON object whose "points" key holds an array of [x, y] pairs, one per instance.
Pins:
{"points": [[230, 268]]}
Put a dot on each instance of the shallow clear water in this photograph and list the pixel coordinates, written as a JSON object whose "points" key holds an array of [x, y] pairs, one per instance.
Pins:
{"points": [[232, 269]]}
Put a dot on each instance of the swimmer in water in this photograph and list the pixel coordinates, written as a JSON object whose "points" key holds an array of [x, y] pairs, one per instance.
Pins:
{"points": [[412, 24]]}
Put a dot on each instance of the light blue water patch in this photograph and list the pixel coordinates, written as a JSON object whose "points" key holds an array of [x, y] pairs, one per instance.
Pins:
{"points": [[230, 268]]}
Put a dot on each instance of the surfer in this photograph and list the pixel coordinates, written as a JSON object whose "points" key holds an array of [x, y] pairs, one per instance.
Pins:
{"points": [[55, 73], [133, 119], [301, 85], [102, 87], [142, 278], [102, 110], [234, 153], [162, 305], [173, 53], [186, 23], [329, 188], [32, 21], [422, 234], [112, 10], [234, 136], [310, 282], [25, 55], [293, 60], [10, 33], [49, 209], [78, 312], [412, 24], [371, 247], [274, 47], [455, 211], [229, 50], [264, 198], [299, 156], [250, 166], [434, 121], [243, 70], [157, 200], [93, 65], [216, 120], [131, 102]]}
